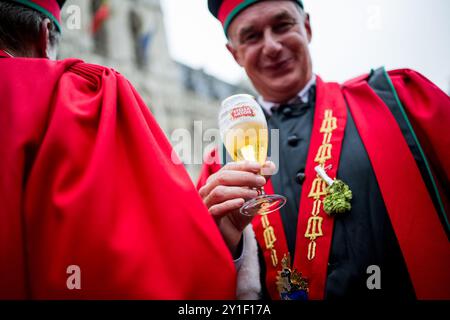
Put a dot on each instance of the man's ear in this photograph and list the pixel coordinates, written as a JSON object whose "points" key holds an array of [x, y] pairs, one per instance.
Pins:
{"points": [[308, 27], [234, 53], [43, 46]]}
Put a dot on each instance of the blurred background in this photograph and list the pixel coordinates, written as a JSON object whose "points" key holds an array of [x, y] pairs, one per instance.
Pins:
{"points": [[173, 51]]}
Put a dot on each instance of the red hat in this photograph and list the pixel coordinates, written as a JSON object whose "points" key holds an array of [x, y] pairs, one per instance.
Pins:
{"points": [[51, 8], [226, 10]]}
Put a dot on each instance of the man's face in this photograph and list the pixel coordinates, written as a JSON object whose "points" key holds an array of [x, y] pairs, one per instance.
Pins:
{"points": [[270, 40]]}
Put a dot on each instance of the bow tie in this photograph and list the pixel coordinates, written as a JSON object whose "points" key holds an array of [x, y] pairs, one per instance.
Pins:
{"points": [[296, 108]]}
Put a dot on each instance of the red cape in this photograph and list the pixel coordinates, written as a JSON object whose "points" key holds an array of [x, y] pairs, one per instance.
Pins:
{"points": [[87, 179], [421, 235]]}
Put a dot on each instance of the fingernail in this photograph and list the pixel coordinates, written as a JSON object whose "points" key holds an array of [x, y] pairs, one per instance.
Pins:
{"points": [[269, 164], [260, 180]]}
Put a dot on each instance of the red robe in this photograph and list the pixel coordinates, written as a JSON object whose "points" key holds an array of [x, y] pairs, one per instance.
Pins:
{"points": [[87, 179], [420, 234]]}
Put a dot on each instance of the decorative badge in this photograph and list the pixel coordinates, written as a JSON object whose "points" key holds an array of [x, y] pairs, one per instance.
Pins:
{"points": [[291, 285], [242, 111], [338, 196]]}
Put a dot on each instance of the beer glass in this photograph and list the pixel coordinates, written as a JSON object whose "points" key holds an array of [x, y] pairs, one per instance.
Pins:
{"points": [[243, 129]]}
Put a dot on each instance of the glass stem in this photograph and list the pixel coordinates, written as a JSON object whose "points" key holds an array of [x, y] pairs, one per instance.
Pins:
{"points": [[262, 192]]}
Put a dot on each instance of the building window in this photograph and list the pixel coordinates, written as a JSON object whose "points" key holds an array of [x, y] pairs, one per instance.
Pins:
{"points": [[142, 30], [100, 13]]}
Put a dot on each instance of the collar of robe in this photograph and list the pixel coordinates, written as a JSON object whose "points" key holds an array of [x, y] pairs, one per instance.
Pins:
{"points": [[297, 108], [5, 54]]}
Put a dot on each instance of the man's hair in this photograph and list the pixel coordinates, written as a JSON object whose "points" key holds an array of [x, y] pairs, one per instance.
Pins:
{"points": [[20, 27]]}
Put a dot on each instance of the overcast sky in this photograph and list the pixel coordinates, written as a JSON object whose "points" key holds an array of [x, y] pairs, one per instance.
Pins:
{"points": [[349, 37]]}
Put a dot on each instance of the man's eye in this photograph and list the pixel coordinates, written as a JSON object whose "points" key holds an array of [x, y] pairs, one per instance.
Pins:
{"points": [[250, 37], [281, 27]]}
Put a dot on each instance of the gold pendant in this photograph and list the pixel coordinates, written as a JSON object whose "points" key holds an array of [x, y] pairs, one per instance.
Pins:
{"points": [[290, 283]]}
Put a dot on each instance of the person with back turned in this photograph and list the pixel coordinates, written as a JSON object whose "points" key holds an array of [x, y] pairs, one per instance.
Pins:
{"points": [[92, 205]]}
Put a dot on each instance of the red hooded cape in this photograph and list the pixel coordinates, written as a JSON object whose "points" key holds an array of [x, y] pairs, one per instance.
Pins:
{"points": [[87, 179]]}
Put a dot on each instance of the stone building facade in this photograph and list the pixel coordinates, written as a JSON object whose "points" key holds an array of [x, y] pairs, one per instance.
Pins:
{"points": [[132, 40]]}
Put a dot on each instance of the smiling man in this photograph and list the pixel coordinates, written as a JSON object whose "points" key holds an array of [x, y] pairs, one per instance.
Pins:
{"points": [[277, 70], [383, 135]]}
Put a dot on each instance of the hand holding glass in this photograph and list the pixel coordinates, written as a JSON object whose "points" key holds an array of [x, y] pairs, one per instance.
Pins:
{"points": [[244, 132]]}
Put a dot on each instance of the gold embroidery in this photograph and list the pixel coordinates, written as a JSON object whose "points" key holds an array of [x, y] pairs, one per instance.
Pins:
{"points": [[269, 239], [311, 250], [329, 123], [316, 207], [265, 222], [324, 153], [273, 255], [262, 211], [318, 187], [314, 229], [327, 138]]}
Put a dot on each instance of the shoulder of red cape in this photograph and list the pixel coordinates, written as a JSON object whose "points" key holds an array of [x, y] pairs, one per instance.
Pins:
{"points": [[56, 69], [404, 73]]}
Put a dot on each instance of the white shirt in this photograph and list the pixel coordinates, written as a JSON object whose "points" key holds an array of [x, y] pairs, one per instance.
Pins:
{"points": [[303, 95]]}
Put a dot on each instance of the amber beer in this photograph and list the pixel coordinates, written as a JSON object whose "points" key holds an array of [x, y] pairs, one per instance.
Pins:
{"points": [[243, 128]]}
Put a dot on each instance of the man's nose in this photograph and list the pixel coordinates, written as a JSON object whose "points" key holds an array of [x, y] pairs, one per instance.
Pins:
{"points": [[272, 46]]}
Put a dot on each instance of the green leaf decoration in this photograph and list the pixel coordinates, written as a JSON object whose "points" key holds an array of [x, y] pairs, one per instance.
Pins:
{"points": [[338, 198]]}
